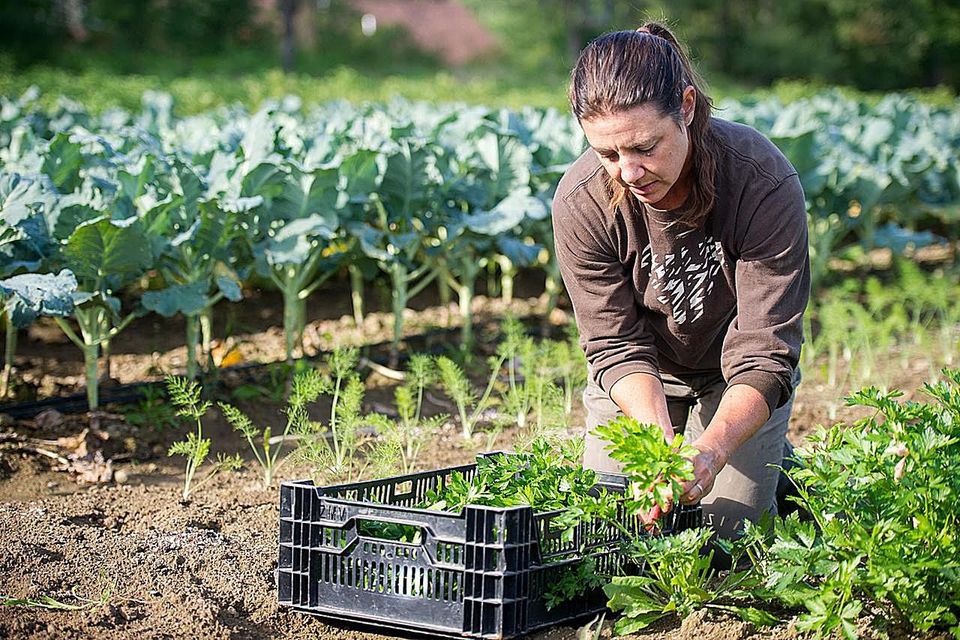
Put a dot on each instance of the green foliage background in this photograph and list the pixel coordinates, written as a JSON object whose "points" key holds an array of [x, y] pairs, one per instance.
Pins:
{"points": [[212, 52]]}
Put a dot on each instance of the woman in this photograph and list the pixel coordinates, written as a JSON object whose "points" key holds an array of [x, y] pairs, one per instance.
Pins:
{"points": [[682, 242]]}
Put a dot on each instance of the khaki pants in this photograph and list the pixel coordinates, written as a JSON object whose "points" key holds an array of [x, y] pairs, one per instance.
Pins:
{"points": [[746, 487]]}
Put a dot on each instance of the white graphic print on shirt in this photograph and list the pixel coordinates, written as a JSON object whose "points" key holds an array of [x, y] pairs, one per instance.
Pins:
{"points": [[683, 280]]}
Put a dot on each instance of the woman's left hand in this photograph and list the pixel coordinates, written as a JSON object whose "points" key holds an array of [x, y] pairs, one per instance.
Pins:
{"points": [[706, 466]]}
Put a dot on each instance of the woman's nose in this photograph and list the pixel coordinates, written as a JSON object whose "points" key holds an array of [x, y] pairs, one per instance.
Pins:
{"points": [[631, 170]]}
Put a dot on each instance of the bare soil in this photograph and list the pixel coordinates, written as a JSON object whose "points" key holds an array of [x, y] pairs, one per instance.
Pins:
{"points": [[139, 562]]}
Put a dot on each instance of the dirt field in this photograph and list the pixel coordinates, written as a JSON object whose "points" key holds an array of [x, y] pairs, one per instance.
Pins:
{"points": [[140, 563]]}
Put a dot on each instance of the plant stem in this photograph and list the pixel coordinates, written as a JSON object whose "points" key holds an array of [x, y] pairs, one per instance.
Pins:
{"points": [[291, 309], [206, 332], [398, 301], [469, 268], [91, 328], [356, 293], [105, 358], [337, 453], [443, 289], [482, 402], [192, 321], [465, 420], [507, 273], [9, 350], [493, 284], [192, 463], [552, 287], [91, 359], [567, 394]]}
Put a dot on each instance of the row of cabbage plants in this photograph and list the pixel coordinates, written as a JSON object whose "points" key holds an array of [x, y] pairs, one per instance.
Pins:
{"points": [[179, 213]]}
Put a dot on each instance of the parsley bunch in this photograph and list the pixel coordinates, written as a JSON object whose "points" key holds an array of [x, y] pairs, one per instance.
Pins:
{"points": [[655, 468], [548, 477]]}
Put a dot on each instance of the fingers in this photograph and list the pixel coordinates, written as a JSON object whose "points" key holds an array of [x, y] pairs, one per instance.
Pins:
{"points": [[698, 488], [705, 470], [694, 493]]}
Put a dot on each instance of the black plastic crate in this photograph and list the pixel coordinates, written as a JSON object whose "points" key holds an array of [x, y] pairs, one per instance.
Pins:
{"points": [[481, 573]]}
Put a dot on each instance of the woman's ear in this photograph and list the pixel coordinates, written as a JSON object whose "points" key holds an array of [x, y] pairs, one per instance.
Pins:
{"points": [[688, 105]]}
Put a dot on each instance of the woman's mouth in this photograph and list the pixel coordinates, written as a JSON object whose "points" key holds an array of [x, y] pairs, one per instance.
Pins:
{"points": [[644, 189]]}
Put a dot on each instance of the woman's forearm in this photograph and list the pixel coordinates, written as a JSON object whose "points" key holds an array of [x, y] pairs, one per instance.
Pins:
{"points": [[640, 396], [742, 411]]}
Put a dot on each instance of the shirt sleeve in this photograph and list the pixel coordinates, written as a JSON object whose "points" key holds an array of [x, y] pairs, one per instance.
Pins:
{"points": [[762, 344], [613, 333]]}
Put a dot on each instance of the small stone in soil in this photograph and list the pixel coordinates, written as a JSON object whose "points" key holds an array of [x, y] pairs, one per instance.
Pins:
{"points": [[48, 419], [120, 476]]}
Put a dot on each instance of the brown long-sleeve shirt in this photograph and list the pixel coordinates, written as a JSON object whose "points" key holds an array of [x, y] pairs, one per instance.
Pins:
{"points": [[650, 296]]}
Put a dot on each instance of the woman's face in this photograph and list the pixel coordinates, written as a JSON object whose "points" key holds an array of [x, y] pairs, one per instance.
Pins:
{"points": [[646, 152]]}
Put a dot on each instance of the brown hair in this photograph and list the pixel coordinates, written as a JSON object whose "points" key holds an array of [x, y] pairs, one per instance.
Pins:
{"points": [[625, 69]]}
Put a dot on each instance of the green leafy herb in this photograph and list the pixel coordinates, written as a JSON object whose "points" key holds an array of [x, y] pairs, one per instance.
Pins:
{"points": [[884, 496], [655, 468], [678, 579], [548, 477]]}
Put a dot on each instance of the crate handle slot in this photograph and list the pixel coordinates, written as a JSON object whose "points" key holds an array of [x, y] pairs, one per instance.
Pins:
{"points": [[391, 531]]}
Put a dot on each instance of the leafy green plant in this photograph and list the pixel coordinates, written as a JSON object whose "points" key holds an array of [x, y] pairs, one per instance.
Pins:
{"points": [[883, 494], [23, 299], [200, 246], [488, 185], [293, 245], [571, 363], [541, 377], [549, 476], [539, 369], [395, 233], [23, 247], [455, 383], [512, 336], [573, 580], [185, 395], [340, 449], [153, 410], [307, 387], [677, 579], [676, 570], [348, 394], [655, 468], [104, 256], [271, 387], [514, 347], [411, 430]]}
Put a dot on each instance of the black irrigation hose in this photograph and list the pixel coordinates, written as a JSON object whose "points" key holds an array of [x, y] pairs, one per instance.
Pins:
{"points": [[134, 391]]}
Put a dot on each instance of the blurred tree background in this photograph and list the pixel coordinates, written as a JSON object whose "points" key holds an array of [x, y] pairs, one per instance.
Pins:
{"points": [[230, 48], [177, 37], [867, 44]]}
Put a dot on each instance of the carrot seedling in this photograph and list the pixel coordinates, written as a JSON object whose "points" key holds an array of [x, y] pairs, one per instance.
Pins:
{"points": [[185, 395]]}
